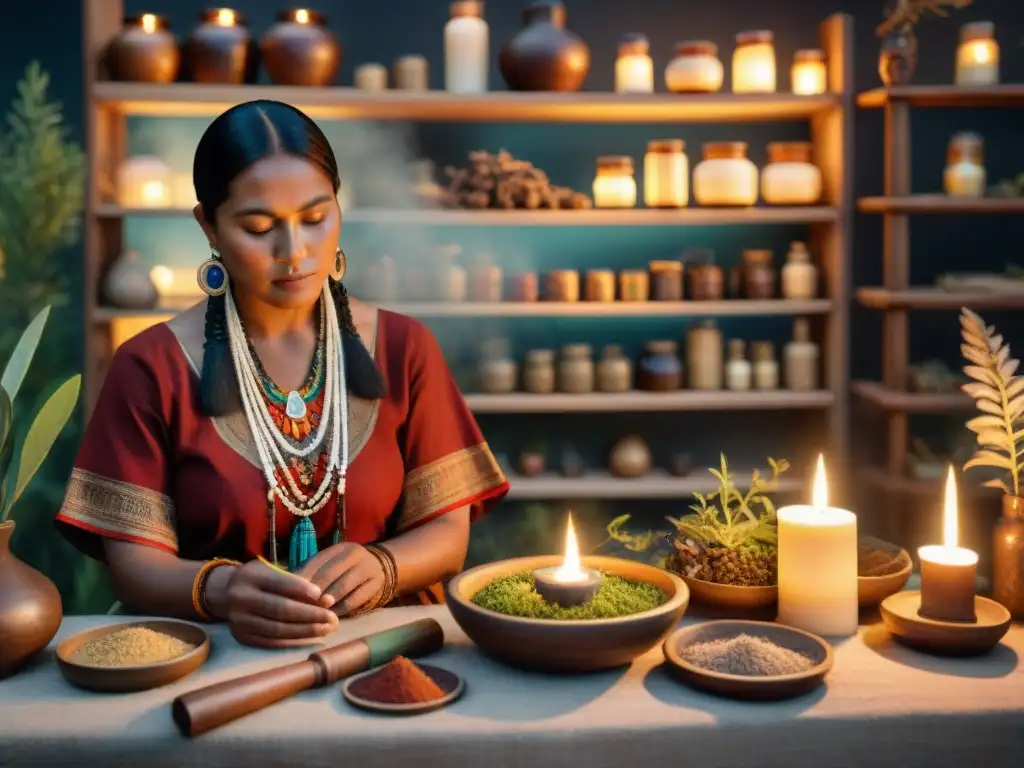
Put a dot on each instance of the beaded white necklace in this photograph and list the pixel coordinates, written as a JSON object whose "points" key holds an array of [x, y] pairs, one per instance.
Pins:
{"points": [[270, 442]]}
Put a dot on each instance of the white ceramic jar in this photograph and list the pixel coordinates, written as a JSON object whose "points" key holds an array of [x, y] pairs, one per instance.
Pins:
{"points": [[634, 67], [977, 55], [753, 62], [696, 68], [790, 177], [965, 175], [466, 48], [726, 176], [615, 184], [666, 174]]}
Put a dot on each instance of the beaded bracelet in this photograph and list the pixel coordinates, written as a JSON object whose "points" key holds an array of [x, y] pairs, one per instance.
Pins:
{"points": [[387, 564], [199, 586]]}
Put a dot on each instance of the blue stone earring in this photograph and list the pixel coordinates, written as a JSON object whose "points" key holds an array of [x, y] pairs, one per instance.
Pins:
{"points": [[211, 276]]}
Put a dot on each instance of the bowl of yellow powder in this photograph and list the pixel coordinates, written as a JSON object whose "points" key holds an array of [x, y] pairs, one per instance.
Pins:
{"points": [[133, 656]]}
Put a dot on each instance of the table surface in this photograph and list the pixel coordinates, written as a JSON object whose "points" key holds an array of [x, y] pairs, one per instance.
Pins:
{"points": [[882, 702]]}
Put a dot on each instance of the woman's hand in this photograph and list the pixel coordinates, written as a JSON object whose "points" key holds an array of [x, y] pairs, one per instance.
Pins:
{"points": [[349, 575], [274, 609]]}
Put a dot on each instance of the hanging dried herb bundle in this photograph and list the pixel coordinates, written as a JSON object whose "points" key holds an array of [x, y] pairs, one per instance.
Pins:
{"points": [[999, 395], [907, 13]]}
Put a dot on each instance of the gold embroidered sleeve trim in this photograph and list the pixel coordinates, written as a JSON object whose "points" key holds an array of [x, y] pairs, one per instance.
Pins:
{"points": [[123, 509], [440, 485]]}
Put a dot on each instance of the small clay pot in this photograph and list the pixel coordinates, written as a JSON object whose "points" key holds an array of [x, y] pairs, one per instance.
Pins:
{"points": [[681, 465], [144, 51], [630, 457], [220, 50], [544, 56], [531, 463], [572, 464], [300, 50]]}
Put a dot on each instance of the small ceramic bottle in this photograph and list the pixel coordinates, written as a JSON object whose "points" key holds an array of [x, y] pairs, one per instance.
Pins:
{"points": [[738, 372], [576, 370], [704, 356], [466, 44], [539, 372], [801, 358], [799, 275], [498, 372], [614, 370], [766, 368]]}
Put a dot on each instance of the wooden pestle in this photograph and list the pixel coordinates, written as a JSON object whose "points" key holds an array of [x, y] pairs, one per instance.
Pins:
{"points": [[207, 708]]}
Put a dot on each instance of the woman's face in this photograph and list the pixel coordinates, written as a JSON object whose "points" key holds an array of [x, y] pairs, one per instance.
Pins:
{"points": [[277, 232]]}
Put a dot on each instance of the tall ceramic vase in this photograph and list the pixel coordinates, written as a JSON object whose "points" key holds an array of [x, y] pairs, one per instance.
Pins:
{"points": [[1008, 557], [30, 608]]}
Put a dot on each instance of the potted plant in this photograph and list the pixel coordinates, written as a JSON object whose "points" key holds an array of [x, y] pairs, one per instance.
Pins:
{"points": [[30, 605], [999, 431], [898, 58], [726, 549]]}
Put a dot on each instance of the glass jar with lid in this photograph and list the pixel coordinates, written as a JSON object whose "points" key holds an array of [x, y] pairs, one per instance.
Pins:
{"points": [[753, 62], [614, 184], [965, 166], [666, 174], [977, 55], [696, 68], [790, 177], [726, 176], [634, 68], [808, 76]]}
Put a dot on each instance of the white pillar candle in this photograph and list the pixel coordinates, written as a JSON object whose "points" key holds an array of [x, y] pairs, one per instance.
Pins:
{"points": [[144, 181], [977, 56], [818, 565]]}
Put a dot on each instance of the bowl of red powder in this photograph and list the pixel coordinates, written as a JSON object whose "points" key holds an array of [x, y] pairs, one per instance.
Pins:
{"points": [[403, 687]]}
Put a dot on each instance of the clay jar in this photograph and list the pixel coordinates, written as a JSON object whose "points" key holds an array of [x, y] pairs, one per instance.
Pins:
{"points": [[630, 457], [1008, 557], [614, 370], [539, 371], [144, 51], [498, 372], [543, 55], [300, 50], [30, 608], [576, 369], [220, 49], [756, 275], [660, 369], [707, 282]]}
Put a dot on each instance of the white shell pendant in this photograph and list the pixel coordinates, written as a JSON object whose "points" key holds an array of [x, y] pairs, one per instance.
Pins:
{"points": [[295, 408]]}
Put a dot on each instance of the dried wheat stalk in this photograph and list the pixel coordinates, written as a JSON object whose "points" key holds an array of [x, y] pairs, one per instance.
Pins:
{"points": [[909, 12]]}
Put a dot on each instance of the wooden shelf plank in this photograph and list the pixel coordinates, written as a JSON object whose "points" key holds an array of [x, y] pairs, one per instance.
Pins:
{"points": [[1008, 95], [937, 299], [201, 100], [637, 402], [941, 204], [635, 217], [912, 486], [603, 485], [726, 308], [877, 395]]}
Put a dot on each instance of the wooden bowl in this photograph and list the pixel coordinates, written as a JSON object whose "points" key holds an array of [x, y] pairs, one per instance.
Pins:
{"points": [[550, 645], [945, 638], [731, 595], [138, 678], [452, 685], [745, 686], [872, 590]]}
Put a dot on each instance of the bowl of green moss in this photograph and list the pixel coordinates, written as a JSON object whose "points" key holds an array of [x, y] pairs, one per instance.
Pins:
{"points": [[634, 609]]}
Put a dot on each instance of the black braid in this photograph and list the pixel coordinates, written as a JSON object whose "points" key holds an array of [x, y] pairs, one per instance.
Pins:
{"points": [[361, 372], [218, 388]]}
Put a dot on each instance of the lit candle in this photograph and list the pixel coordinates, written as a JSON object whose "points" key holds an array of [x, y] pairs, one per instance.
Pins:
{"points": [[569, 583], [753, 63], [225, 17], [948, 571], [144, 181], [301, 16], [634, 68], [149, 23], [977, 56], [807, 75], [818, 564], [614, 184]]}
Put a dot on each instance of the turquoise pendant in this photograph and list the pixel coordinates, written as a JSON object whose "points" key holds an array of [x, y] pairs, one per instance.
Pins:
{"points": [[303, 544]]}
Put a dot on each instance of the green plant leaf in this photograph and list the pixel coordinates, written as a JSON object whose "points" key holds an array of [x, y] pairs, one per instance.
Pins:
{"points": [[21, 357], [47, 423], [6, 442]]}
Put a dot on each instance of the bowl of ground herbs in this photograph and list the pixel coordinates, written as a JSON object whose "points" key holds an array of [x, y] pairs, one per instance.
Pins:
{"points": [[499, 608], [755, 660], [882, 570], [133, 656]]}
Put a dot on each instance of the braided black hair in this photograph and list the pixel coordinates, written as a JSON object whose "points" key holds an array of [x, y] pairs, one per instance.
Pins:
{"points": [[238, 138]]}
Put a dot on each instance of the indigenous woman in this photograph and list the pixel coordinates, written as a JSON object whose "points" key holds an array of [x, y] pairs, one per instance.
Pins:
{"points": [[280, 454]]}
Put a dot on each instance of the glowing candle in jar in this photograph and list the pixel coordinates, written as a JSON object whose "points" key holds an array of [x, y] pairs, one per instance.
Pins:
{"points": [[569, 583], [634, 68], [148, 23], [301, 16], [807, 75], [225, 17], [948, 571], [818, 564], [753, 63], [614, 184], [144, 181], [977, 56]]}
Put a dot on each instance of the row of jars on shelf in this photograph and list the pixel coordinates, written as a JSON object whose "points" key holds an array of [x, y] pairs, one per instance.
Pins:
{"points": [[660, 369], [725, 176], [664, 280]]}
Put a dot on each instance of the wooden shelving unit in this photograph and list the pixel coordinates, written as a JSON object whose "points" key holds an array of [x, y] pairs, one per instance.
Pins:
{"points": [[109, 104], [897, 298]]}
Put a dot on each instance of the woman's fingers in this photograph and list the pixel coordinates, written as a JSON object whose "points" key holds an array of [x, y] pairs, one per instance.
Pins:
{"points": [[289, 585], [268, 642], [251, 624], [357, 598], [349, 582], [281, 609]]}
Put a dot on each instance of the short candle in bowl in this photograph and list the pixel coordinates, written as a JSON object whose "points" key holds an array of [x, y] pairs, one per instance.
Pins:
{"points": [[569, 583], [948, 571]]}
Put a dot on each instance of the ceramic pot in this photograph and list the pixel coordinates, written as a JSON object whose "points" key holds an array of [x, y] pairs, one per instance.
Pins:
{"points": [[630, 457], [544, 55], [144, 51], [300, 50], [220, 50], [897, 61], [532, 463], [30, 608], [1008, 557], [128, 285]]}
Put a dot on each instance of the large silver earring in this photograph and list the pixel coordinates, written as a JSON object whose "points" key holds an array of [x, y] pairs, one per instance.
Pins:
{"points": [[211, 275], [340, 265]]}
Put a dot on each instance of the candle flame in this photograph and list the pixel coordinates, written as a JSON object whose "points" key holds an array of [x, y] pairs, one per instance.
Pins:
{"points": [[570, 568], [302, 16], [148, 23], [225, 17], [950, 534], [819, 494], [981, 52]]}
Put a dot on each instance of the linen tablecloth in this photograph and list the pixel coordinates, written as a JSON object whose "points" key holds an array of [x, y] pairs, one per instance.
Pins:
{"points": [[883, 706]]}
